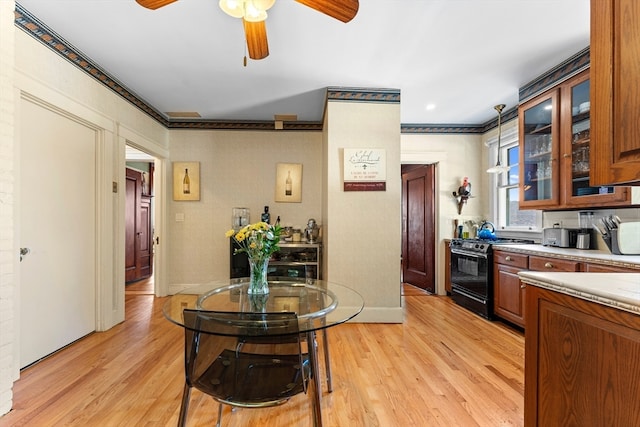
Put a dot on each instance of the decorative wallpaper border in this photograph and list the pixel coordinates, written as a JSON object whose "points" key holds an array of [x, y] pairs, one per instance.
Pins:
{"points": [[408, 128], [243, 125], [354, 94], [572, 66], [38, 30]]}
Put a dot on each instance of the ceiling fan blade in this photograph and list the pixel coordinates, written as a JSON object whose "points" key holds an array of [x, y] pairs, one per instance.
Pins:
{"points": [[154, 4], [256, 34], [342, 10]]}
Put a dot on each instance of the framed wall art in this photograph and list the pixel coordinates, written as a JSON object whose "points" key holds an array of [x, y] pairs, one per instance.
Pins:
{"points": [[289, 182], [186, 181]]}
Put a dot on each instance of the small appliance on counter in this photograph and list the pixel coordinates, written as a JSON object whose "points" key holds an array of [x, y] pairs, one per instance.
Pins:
{"points": [[560, 237], [626, 238], [620, 237], [585, 238], [312, 231]]}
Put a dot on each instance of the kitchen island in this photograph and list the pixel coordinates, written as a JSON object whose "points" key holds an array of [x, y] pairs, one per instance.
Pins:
{"points": [[582, 349]]}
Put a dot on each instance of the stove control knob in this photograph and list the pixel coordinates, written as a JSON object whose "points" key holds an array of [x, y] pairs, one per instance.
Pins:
{"points": [[481, 246]]}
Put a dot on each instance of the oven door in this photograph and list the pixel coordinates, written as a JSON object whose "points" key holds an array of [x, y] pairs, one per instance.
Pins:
{"points": [[471, 280]]}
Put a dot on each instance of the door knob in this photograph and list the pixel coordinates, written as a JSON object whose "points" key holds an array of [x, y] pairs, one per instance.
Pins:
{"points": [[24, 252]]}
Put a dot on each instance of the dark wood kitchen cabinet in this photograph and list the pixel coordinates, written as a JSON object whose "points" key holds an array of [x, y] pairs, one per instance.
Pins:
{"points": [[508, 292], [615, 93], [600, 268], [553, 265], [555, 151], [581, 362]]}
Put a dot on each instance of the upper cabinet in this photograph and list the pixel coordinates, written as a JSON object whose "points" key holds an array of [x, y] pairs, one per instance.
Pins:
{"points": [[539, 137], [556, 150], [615, 92]]}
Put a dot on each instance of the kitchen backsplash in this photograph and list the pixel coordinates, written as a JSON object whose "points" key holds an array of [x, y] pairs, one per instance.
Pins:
{"points": [[569, 219]]}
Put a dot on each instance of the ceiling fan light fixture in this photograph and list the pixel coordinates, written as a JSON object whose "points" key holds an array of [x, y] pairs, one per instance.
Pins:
{"points": [[264, 4], [253, 14], [249, 10], [234, 8]]}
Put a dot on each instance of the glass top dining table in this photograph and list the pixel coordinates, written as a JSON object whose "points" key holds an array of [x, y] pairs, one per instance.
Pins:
{"points": [[318, 304]]}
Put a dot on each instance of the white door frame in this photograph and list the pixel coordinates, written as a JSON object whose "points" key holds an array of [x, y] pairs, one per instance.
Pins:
{"points": [[133, 139]]}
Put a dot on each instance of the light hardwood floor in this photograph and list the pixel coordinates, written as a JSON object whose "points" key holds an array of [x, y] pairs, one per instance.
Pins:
{"points": [[444, 366]]}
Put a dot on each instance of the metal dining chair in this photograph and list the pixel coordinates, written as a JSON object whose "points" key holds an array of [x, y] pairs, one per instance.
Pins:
{"points": [[309, 277], [225, 359]]}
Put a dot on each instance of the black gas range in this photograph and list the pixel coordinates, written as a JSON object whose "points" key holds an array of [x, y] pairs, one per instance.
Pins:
{"points": [[484, 245], [472, 272]]}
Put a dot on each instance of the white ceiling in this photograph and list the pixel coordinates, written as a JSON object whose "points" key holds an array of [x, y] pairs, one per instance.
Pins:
{"points": [[463, 56]]}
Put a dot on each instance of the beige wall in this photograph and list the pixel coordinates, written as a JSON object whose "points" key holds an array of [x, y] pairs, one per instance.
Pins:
{"points": [[238, 169], [363, 229]]}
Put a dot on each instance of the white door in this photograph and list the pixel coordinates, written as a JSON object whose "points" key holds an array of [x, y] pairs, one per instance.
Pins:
{"points": [[57, 210]]}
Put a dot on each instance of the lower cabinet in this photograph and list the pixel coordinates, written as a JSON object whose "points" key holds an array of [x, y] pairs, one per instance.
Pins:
{"points": [[551, 265], [581, 362], [508, 292], [293, 260], [599, 268]]}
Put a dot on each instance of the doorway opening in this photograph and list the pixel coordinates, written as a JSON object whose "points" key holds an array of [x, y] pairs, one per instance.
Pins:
{"points": [[418, 226], [140, 213]]}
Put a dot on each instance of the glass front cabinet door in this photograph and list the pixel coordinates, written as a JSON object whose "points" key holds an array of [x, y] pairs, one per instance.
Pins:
{"points": [[576, 152], [555, 138], [539, 137]]}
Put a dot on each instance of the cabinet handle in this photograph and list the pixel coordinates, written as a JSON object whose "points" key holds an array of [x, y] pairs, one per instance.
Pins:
{"points": [[566, 156], [548, 265], [522, 286], [508, 258]]}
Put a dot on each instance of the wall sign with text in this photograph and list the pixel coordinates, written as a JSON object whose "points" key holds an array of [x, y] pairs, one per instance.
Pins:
{"points": [[365, 169]]}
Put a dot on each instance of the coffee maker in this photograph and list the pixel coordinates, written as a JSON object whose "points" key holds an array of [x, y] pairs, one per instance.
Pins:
{"points": [[585, 238]]}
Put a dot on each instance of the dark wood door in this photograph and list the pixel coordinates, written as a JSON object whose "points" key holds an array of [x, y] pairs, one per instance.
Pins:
{"points": [[138, 229], [418, 226]]}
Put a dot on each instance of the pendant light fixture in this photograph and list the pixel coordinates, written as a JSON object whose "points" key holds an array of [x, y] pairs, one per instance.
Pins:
{"points": [[498, 168]]}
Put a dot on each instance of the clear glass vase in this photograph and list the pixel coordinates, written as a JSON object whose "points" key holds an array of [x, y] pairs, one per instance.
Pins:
{"points": [[258, 268]]}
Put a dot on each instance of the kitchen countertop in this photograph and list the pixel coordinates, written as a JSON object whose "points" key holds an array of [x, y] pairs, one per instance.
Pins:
{"points": [[617, 290], [598, 256]]}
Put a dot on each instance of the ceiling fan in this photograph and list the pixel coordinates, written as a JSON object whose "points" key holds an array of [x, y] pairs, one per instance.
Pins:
{"points": [[253, 14]]}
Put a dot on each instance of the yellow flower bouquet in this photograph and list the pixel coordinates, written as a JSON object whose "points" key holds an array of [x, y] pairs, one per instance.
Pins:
{"points": [[259, 241]]}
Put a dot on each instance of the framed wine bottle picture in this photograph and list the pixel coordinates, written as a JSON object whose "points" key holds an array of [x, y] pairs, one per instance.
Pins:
{"points": [[186, 181], [289, 182]]}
